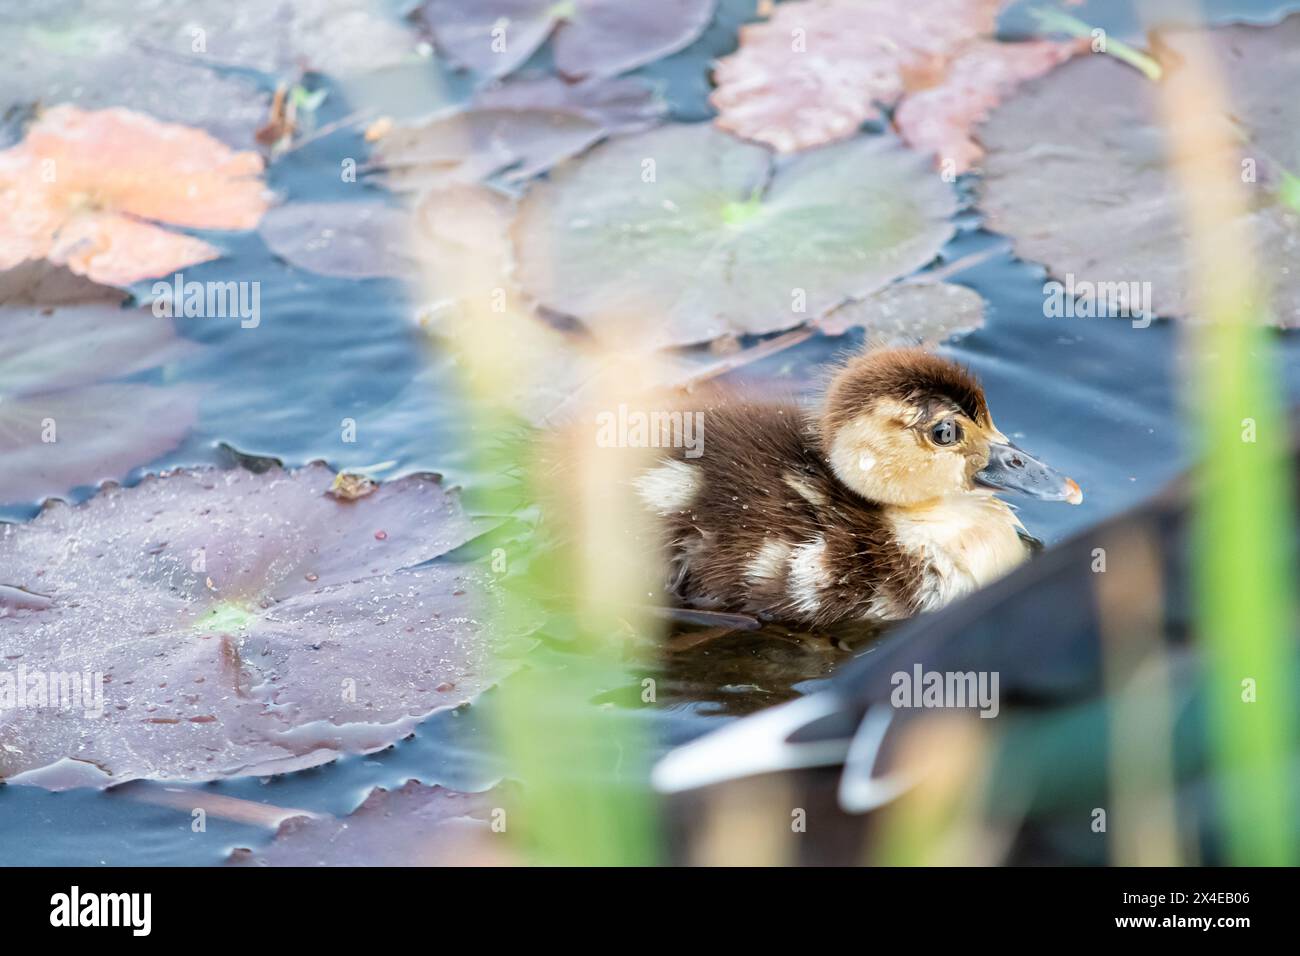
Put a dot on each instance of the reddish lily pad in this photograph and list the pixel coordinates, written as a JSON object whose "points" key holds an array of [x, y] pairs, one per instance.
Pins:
{"points": [[63, 422], [817, 70], [1105, 212], [243, 624], [415, 825], [592, 37], [684, 233], [84, 189]]}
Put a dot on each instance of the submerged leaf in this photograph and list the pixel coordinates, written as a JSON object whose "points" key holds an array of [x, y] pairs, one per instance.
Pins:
{"points": [[1103, 211], [819, 69], [415, 825], [684, 234], [242, 624], [84, 188]]}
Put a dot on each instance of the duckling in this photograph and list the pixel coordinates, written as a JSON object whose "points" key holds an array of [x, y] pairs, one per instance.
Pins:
{"points": [[876, 507]]}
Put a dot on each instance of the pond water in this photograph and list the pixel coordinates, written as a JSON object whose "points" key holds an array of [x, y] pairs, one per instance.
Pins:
{"points": [[1097, 398]]}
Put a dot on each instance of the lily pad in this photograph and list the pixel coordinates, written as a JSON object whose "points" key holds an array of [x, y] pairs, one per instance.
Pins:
{"points": [[85, 189], [415, 825], [516, 129], [351, 240], [480, 143], [63, 422], [592, 37], [684, 233], [462, 236], [817, 70], [1105, 209], [910, 313], [189, 62], [242, 624], [623, 104]]}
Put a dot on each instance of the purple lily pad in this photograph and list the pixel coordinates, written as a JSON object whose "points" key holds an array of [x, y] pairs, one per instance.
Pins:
{"points": [[624, 104], [684, 234], [415, 825], [516, 129], [242, 624], [607, 37], [592, 37], [1106, 212], [479, 143], [62, 423], [351, 240]]}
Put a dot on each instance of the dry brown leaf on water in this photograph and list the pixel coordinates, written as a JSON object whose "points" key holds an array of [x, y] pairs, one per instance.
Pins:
{"points": [[87, 189], [818, 69]]}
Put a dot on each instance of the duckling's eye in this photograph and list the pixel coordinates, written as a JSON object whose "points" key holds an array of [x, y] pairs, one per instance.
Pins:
{"points": [[946, 432]]}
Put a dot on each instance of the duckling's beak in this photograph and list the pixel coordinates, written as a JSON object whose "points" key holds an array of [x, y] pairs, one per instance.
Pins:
{"points": [[1014, 469]]}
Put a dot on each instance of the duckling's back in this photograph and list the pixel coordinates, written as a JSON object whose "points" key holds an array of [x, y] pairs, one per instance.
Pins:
{"points": [[757, 522]]}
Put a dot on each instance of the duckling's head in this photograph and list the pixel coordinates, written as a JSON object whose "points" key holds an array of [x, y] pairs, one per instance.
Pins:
{"points": [[905, 427]]}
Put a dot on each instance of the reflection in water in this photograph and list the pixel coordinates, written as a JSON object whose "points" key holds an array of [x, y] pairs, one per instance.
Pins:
{"points": [[715, 671]]}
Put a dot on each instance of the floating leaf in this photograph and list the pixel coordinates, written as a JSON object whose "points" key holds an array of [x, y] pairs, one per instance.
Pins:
{"points": [[938, 120], [1103, 211], [592, 37], [83, 189], [351, 240], [684, 233], [88, 54], [817, 70], [518, 129], [910, 313], [623, 104], [62, 424], [462, 237], [479, 143], [243, 624], [415, 825]]}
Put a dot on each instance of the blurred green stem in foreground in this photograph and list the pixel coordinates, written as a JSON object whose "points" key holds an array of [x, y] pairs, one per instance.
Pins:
{"points": [[1245, 576], [583, 767]]}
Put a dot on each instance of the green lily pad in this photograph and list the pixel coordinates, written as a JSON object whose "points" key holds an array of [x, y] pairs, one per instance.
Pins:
{"points": [[1077, 172], [684, 233]]}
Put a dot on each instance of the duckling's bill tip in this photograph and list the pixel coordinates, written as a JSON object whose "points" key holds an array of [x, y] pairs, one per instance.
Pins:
{"points": [[1073, 493]]}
